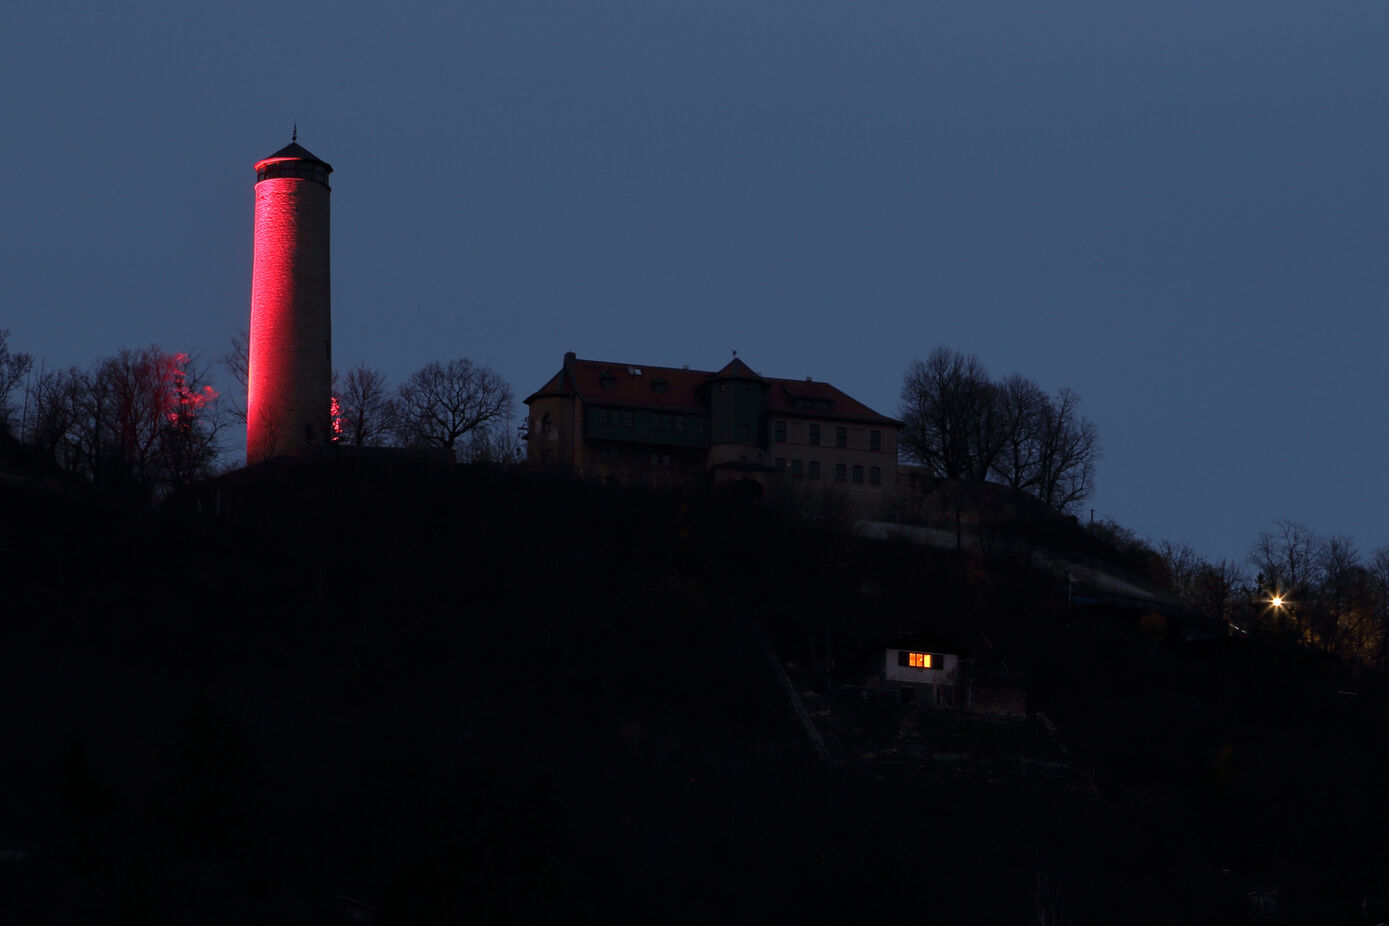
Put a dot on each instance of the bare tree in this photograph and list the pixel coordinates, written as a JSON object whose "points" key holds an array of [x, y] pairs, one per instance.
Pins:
{"points": [[1020, 405], [1184, 566], [1286, 558], [1344, 613], [441, 403], [1217, 586], [188, 440], [502, 444], [237, 360], [1378, 569], [14, 369], [364, 407], [962, 426], [1070, 447], [948, 415], [52, 410], [141, 421]]}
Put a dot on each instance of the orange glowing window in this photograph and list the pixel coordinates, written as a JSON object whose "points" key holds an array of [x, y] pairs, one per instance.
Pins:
{"points": [[919, 660]]}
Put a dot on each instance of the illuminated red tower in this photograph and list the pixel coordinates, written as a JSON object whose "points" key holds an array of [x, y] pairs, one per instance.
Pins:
{"points": [[290, 368]]}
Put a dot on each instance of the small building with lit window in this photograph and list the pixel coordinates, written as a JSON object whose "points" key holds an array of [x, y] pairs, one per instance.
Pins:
{"points": [[926, 669]]}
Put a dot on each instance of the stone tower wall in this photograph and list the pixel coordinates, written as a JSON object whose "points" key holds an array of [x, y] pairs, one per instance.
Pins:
{"points": [[290, 370]]}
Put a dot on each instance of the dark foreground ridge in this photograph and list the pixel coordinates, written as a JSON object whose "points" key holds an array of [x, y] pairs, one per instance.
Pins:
{"points": [[410, 693]]}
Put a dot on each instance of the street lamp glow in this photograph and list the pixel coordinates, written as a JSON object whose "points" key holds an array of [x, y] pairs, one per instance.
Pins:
{"points": [[1276, 601]]}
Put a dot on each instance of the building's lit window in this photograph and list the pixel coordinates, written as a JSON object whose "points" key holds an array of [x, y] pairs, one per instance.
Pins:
{"points": [[919, 660]]}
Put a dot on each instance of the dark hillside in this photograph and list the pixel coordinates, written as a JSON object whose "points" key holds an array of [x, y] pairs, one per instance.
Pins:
{"points": [[461, 694]]}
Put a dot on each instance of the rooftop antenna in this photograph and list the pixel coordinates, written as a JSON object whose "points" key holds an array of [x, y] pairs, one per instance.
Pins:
{"points": [[294, 132], [735, 352]]}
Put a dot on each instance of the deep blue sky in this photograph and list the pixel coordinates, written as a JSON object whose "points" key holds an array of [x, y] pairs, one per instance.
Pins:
{"points": [[1178, 209]]}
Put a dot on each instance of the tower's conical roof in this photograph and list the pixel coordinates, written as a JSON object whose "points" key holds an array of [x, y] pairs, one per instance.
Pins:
{"points": [[294, 152]]}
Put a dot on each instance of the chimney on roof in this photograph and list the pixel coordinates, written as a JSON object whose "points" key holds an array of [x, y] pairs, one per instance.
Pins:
{"points": [[569, 357]]}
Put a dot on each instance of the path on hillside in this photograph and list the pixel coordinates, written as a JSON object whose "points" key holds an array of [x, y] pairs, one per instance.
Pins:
{"points": [[1057, 564]]}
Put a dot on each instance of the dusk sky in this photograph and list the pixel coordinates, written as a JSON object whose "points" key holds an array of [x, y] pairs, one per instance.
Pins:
{"points": [[1177, 209]]}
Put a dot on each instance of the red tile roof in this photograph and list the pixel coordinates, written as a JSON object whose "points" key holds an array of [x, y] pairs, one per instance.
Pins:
{"points": [[636, 386], [785, 393]]}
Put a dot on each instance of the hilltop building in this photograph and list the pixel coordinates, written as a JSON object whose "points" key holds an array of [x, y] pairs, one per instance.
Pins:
{"points": [[289, 372], [666, 426]]}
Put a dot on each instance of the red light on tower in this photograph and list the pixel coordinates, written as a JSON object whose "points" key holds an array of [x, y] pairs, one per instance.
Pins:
{"points": [[290, 364]]}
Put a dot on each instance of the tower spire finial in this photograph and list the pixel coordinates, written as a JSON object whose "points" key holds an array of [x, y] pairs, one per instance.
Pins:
{"points": [[294, 133]]}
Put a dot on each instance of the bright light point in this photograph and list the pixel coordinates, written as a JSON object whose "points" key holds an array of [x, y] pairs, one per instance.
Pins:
{"points": [[1276, 601]]}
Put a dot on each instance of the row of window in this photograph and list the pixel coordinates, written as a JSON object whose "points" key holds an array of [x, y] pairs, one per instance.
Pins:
{"points": [[842, 471], [841, 435], [611, 456], [659, 421], [303, 170], [615, 417], [663, 421], [916, 660]]}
